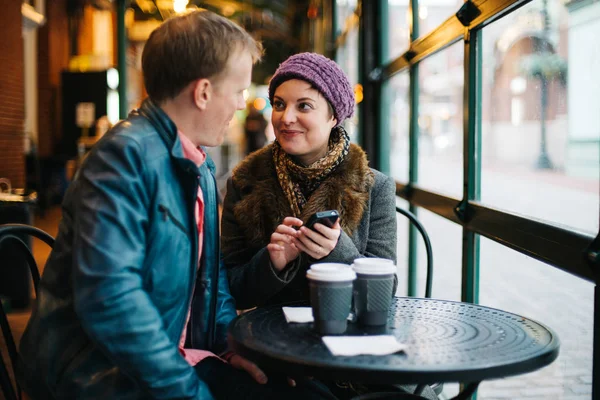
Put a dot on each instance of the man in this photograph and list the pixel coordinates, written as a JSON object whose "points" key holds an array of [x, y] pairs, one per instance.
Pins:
{"points": [[133, 302], [254, 130]]}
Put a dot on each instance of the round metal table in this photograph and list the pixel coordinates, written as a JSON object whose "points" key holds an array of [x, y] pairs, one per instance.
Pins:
{"points": [[447, 342]]}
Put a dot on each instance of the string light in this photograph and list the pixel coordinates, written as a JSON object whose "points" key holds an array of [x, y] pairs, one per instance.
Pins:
{"points": [[179, 6], [260, 103]]}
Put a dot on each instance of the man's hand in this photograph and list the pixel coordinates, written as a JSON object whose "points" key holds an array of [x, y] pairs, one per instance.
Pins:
{"points": [[282, 250], [256, 373]]}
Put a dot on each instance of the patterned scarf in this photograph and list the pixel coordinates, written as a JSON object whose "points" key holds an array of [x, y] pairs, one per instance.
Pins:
{"points": [[299, 182]]}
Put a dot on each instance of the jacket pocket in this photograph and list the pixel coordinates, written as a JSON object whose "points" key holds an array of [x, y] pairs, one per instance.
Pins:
{"points": [[168, 215]]}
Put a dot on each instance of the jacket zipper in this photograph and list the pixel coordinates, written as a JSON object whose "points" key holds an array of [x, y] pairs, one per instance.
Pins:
{"points": [[196, 261], [212, 311]]}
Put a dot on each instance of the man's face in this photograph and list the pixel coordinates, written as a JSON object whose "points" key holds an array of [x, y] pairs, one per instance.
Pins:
{"points": [[227, 96]]}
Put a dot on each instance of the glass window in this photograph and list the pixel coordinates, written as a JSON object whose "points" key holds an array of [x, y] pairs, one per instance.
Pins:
{"points": [[540, 124], [433, 12], [441, 121], [347, 58], [402, 249], [398, 117], [344, 8], [446, 242], [398, 29], [514, 282]]}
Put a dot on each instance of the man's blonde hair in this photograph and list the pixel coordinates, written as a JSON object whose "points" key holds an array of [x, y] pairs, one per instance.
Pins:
{"points": [[189, 47]]}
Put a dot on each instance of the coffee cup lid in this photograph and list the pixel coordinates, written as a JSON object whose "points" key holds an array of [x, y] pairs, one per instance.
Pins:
{"points": [[372, 260], [374, 266], [331, 272]]}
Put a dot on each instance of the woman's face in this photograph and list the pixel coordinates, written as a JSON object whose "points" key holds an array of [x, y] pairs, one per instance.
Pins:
{"points": [[302, 121]]}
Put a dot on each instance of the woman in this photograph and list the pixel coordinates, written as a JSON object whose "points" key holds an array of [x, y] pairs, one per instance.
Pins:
{"points": [[311, 167]]}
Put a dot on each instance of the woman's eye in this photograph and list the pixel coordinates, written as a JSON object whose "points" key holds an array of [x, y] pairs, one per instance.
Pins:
{"points": [[305, 106], [278, 105]]}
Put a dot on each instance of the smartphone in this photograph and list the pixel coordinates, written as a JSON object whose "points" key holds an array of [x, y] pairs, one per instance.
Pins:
{"points": [[327, 218]]}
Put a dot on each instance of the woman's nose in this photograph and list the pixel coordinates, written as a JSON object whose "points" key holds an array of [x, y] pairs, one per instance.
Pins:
{"points": [[289, 115]]}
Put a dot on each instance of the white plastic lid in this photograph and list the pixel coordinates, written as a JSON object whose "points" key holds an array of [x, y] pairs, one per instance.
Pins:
{"points": [[374, 266], [331, 272]]}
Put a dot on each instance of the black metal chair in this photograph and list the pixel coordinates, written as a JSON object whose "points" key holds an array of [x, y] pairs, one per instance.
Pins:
{"points": [[413, 219], [437, 387], [15, 235]]}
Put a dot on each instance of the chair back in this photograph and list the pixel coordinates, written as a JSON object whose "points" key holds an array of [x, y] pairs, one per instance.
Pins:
{"points": [[413, 219], [14, 235]]}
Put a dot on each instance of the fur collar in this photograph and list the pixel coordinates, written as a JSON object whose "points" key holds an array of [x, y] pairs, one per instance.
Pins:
{"points": [[263, 205]]}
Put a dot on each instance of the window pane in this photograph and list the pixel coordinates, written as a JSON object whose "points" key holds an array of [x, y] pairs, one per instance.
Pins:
{"points": [[433, 12], [517, 283], [446, 242], [398, 28], [399, 112], [347, 58], [344, 8], [540, 124], [402, 249], [440, 121]]}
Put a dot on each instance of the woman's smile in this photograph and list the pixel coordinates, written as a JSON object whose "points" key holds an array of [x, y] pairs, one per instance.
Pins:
{"points": [[291, 132]]}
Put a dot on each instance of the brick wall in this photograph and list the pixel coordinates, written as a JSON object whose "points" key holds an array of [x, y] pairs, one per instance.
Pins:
{"points": [[12, 113], [53, 57]]}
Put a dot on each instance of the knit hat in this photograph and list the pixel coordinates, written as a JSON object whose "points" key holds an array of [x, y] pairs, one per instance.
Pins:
{"points": [[324, 75]]}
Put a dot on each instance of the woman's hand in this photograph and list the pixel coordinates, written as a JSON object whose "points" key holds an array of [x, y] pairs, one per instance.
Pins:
{"points": [[281, 248], [320, 242]]}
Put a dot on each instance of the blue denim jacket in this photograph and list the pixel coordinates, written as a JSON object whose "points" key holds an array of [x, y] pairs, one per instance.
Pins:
{"points": [[115, 292]]}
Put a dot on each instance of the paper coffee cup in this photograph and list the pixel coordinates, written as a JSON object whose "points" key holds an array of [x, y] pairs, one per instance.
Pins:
{"points": [[373, 289], [331, 290]]}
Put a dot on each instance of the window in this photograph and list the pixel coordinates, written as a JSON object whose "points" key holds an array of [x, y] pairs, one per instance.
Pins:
{"points": [[398, 28], [344, 9], [433, 12], [441, 121], [399, 113], [347, 58], [540, 125], [515, 282], [446, 239]]}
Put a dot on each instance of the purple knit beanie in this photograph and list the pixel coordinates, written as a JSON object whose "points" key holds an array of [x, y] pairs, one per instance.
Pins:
{"points": [[324, 75]]}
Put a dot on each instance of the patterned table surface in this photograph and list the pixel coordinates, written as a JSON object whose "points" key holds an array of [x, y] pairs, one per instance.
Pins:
{"points": [[447, 342]]}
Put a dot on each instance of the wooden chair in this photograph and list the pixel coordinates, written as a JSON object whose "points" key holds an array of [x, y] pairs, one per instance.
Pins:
{"points": [[15, 235]]}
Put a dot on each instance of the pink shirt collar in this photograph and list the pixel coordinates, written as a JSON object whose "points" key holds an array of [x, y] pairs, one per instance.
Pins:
{"points": [[190, 151]]}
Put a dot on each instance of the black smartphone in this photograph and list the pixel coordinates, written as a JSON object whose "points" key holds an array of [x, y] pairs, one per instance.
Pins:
{"points": [[327, 218]]}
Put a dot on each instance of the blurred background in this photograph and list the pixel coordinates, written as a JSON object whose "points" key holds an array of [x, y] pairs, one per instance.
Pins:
{"points": [[72, 68]]}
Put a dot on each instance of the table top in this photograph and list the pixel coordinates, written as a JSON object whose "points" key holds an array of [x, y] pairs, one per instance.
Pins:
{"points": [[447, 342]]}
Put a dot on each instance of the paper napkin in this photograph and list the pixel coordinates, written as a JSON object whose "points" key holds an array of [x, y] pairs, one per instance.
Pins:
{"points": [[303, 314], [298, 314], [378, 345]]}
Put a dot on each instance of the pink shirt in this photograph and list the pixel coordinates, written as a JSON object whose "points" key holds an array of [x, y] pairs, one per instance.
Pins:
{"points": [[195, 154]]}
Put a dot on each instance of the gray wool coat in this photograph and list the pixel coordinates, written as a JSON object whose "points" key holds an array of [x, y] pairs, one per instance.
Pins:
{"points": [[255, 204]]}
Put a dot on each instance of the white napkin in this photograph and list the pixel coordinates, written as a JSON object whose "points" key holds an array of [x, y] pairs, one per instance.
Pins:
{"points": [[298, 314], [378, 345], [302, 314]]}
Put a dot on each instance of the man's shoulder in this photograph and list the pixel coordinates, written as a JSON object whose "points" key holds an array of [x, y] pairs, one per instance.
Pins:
{"points": [[136, 134], [136, 127]]}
